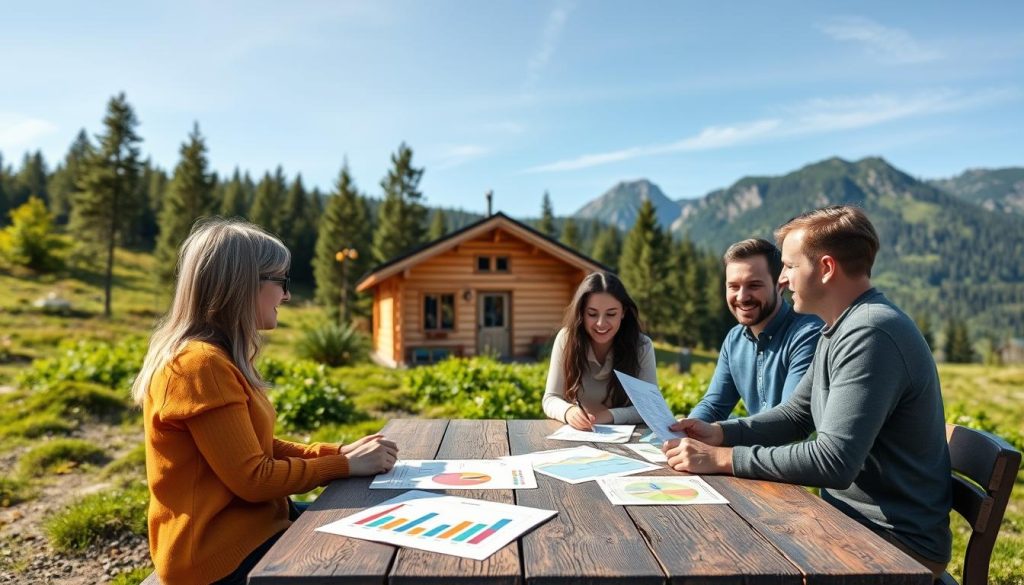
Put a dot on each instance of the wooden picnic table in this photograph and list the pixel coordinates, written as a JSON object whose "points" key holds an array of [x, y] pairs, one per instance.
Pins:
{"points": [[771, 533]]}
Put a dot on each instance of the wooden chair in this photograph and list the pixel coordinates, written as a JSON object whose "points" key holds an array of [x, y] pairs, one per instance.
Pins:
{"points": [[992, 464]]}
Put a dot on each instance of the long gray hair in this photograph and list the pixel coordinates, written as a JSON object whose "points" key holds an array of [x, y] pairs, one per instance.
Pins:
{"points": [[215, 299]]}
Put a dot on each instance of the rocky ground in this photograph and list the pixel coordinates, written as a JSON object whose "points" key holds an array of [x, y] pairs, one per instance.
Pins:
{"points": [[25, 554]]}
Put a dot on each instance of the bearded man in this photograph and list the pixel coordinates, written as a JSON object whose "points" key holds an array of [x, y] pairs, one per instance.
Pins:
{"points": [[764, 356]]}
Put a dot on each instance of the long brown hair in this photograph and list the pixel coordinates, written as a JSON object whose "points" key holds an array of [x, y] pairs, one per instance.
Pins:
{"points": [[625, 344]]}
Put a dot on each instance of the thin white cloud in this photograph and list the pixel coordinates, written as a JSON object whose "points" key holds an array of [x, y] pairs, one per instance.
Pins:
{"points": [[817, 116], [889, 44], [457, 155], [19, 131], [553, 27], [709, 138]]}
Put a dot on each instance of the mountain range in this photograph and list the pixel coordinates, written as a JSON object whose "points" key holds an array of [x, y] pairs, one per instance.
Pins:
{"points": [[952, 247]]}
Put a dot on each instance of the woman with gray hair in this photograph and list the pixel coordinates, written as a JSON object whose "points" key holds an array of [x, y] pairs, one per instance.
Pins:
{"points": [[219, 480]]}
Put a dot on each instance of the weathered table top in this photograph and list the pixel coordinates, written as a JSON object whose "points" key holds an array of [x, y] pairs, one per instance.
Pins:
{"points": [[769, 533]]}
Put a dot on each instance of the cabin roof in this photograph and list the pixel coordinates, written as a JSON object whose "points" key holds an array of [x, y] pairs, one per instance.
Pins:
{"points": [[473, 231]]}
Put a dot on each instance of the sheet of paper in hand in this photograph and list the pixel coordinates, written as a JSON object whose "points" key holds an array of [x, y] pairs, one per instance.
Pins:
{"points": [[600, 434], [651, 405]]}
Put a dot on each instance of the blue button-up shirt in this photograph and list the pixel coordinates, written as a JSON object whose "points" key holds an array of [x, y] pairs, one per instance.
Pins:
{"points": [[763, 371]]}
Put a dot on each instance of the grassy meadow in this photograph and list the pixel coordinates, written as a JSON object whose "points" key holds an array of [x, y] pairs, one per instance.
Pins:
{"points": [[68, 435]]}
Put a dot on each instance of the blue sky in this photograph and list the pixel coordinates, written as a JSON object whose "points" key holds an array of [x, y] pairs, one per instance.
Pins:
{"points": [[526, 96]]}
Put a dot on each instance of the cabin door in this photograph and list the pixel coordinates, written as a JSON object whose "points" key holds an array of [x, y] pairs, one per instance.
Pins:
{"points": [[493, 324]]}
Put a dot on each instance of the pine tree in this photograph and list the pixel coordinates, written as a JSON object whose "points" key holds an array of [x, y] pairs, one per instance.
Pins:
{"points": [[401, 217], [608, 247], [234, 202], [189, 197], [716, 320], [438, 226], [298, 230], [66, 176], [107, 198], [5, 192], [268, 201], [924, 324], [30, 180], [345, 225], [644, 262], [570, 233], [154, 183], [958, 347], [547, 217]]}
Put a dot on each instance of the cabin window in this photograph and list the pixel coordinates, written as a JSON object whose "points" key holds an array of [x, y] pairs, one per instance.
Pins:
{"points": [[501, 264], [439, 312], [483, 263]]}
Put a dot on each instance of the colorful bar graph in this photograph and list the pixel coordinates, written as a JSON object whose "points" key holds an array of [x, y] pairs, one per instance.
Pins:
{"points": [[395, 523], [494, 528], [438, 530], [469, 532], [381, 521], [464, 531], [416, 522], [379, 514], [455, 529]]}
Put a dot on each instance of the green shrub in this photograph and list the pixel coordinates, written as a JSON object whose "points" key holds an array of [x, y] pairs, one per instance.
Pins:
{"points": [[80, 401], [113, 366], [306, 396], [37, 425], [480, 387], [12, 491], [333, 345], [60, 456], [57, 409], [963, 414], [133, 577], [132, 463], [30, 240], [683, 391], [97, 517]]}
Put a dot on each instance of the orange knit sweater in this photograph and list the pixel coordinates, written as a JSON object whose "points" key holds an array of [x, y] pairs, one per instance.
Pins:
{"points": [[218, 479]]}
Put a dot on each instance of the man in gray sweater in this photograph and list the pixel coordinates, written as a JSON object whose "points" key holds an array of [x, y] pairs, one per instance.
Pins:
{"points": [[866, 421]]}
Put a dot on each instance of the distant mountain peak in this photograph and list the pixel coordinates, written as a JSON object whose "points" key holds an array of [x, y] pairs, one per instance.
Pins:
{"points": [[999, 190], [620, 205]]}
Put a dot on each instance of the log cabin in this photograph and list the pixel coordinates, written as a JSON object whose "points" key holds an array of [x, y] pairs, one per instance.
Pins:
{"points": [[497, 287]]}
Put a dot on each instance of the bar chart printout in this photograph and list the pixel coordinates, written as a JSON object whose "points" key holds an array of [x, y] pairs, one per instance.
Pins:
{"points": [[450, 525]]}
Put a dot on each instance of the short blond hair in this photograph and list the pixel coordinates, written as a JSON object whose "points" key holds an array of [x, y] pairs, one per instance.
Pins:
{"points": [[841, 231]]}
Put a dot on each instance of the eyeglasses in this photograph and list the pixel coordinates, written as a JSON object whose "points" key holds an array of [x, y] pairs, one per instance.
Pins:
{"points": [[282, 280]]}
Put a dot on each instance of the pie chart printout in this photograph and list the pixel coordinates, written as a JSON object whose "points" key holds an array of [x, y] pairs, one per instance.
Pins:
{"points": [[661, 492], [461, 478]]}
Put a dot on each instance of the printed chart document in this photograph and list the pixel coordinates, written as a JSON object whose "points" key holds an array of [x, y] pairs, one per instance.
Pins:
{"points": [[457, 474], [659, 491], [651, 405], [600, 434], [648, 452], [474, 529], [584, 463]]}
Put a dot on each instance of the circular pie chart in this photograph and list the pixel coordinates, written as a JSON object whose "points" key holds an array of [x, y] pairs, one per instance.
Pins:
{"points": [[461, 478], [661, 491]]}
